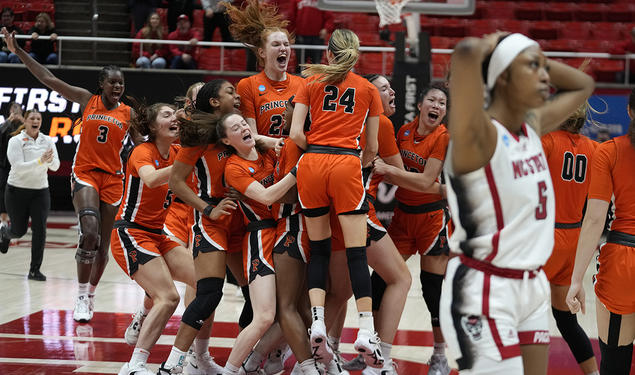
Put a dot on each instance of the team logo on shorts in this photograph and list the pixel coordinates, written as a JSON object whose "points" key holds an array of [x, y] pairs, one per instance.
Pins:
{"points": [[133, 255], [254, 265], [197, 240], [289, 240], [473, 326]]}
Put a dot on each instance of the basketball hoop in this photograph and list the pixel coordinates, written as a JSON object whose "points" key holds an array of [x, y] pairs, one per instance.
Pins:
{"points": [[389, 11]]}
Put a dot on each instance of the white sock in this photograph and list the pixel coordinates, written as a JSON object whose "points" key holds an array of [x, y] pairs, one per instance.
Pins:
{"points": [[594, 373], [176, 358], [308, 366], [334, 342], [439, 349], [139, 356], [317, 312], [91, 289], [385, 350], [253, 361], [82, 289], [366, 321], [231, 369], [201, 346]]}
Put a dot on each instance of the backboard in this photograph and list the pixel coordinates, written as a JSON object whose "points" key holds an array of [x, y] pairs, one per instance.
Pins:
{"points": [[439, 7]]}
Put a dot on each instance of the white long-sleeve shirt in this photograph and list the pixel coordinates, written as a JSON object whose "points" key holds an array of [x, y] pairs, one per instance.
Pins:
{"points": [[27, 170]]}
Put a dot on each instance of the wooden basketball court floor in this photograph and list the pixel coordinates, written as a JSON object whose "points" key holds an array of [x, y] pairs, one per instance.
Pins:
{"points": [[39, 336]]}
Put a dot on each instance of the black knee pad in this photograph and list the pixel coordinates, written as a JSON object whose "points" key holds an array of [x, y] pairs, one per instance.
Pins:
{"points": [[616, 360], [573, 334], [358, 271], [88, 244], [247, 314], [319, 263], [378, 286], [431, 287], [209, 292]]}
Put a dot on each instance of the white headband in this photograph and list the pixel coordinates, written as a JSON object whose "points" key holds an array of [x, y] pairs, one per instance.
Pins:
{"points": [[503, 55]]}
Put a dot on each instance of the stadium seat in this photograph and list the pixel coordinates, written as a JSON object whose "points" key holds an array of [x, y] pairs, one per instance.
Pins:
{"points": [[452, 27], [611, 71], [479, 28], [197, 18], [576, 30], [561, 45], [622, 12], [529, 11], [559, 11], [592, 45], [610, 31], [544, 29], [590, 12], [514, 26], [500, 10]]}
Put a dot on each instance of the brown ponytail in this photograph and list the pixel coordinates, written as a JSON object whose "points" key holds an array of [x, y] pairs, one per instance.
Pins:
{"points": [[344, 44]]}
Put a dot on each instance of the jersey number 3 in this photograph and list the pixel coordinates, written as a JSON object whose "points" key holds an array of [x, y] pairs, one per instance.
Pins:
{"points": [[347, 100], [103, 134]]}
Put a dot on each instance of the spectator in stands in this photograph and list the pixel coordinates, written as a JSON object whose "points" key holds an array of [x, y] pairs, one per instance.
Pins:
{"points": [[140, 10], [184, 56], [312, 26], [43, 51], [215, 17], [152, 55], [13, 122], [7, 21], [176, 8]]}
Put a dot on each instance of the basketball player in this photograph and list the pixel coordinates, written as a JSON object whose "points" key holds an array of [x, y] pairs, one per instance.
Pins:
{"points": [[97, 177], [611, 180], [264, 95], [214, 232], [250, 172], [569, 155], [340, 101], [494, 303], [420, 220], [140, 248], [382, 254]]}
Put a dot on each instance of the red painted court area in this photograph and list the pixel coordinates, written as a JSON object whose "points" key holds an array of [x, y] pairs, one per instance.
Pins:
{"points": [[50, 342]]}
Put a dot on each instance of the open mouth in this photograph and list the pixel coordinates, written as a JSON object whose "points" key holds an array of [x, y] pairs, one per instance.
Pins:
{"points": [[282, 59], [247, 137], [433, 116], [391, 103], [237, 103]]}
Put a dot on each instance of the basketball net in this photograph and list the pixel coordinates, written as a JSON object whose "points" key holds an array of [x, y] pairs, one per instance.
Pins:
{"points": [[389, 11]]}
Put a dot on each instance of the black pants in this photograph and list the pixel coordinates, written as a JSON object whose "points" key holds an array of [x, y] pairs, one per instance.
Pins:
{"points": [[4, 175], [22, 204], [315, 55], [210, 24]]}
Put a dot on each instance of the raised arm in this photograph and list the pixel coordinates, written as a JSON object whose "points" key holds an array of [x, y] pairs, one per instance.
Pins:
{"points": [[573, 88], [72, 93], [473, 135]]}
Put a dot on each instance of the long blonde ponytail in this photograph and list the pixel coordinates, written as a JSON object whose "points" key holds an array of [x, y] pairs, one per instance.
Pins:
{"points": [[344, 44]]}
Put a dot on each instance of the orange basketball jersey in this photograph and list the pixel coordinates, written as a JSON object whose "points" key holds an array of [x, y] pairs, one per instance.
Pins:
{"points": [[241, 173], [264, 100], [612, 175], [209, 163], [569, 157], [142, 205], [415, 151], [338, 112], [387, 147], [101, 137]]}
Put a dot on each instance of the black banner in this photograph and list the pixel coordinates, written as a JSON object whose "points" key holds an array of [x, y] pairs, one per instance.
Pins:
{"points": [[58, 114]]}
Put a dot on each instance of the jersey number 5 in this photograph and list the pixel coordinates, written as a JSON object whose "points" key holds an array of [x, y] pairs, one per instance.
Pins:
{"points": [[347, 100], [103, 134], [541, 210], [575, 172]]}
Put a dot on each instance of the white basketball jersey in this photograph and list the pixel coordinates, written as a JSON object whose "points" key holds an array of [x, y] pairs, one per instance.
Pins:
{"points": [[504, 212]]}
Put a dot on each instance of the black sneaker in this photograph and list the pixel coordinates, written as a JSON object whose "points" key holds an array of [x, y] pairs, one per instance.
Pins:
{"points": [[36, 275], [5, 239]]}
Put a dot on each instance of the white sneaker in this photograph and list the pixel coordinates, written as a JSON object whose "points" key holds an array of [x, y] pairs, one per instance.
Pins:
{"points": [[91, 304], [297, 370], [355, 364], [438, 365], [334, 368], [202, 365], [390, 368], [319, 346], [274, 363], [367, 344], [132, 332], [243, 371], [138, 369], [164, 371], [81, 313]]}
